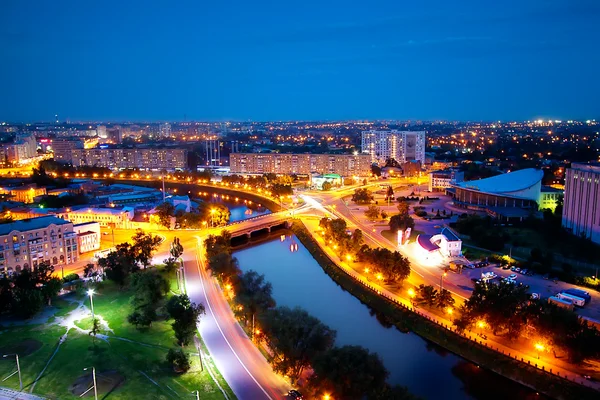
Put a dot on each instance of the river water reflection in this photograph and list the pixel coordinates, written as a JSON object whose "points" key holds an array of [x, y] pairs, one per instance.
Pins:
{"points": [[426, 369]]}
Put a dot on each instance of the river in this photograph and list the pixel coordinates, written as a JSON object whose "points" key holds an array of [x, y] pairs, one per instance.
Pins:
{"points": [[426, 369]]}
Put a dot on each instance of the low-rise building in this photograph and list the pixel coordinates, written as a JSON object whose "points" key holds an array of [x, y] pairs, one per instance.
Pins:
{"points": [[117, 217], [441, 180], [23, 194], [26, 243], [88, 236]]}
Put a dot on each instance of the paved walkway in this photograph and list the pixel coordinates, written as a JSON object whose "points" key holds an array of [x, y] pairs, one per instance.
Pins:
{"points": [[6, 394]]}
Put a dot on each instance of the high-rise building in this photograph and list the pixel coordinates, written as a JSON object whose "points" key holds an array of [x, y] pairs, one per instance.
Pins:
{"points": [[402, 146], [164, 130], [304, 164], [101, 132], [581, 209], [63, 146]]}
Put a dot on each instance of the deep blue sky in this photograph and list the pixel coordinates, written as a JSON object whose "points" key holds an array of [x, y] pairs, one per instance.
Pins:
{"points": [[286, 60]]}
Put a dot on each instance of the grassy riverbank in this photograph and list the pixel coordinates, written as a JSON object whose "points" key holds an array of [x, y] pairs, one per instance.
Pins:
{"points": [[405, 319]]}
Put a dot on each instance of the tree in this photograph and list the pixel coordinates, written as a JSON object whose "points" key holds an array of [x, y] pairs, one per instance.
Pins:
{"points": [[149, 288], [144, 245], [186, 315], [216, 214], [296, 338], [362, 196], [348, 372], [389, 194], [171, 264], [176, 249], [95, 329], [402, 220], [504, 307], [254, 294], [372, 212], [444, 299], [427, 294], [395, 392], [224, 266], [51, 288], [164, 212], [326, 186], [119, 264], [391, 265], [179, 360]]}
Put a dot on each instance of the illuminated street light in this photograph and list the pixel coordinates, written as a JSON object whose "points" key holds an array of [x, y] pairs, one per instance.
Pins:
{"points": [[539, 347], [379, 277], [327, 397], [91, 293], [348, 257], [94, 386], [411, 293], [449, 310]]}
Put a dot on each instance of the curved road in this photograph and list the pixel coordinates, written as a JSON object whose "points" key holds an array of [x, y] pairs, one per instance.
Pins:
{"points": [[242, 365]]}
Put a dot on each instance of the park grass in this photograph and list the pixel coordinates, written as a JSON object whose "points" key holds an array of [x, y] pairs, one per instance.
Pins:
{"points": [[137, 355]]}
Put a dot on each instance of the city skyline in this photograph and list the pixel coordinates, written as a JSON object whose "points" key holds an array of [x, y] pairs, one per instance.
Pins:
{"points": [[475, 62]]}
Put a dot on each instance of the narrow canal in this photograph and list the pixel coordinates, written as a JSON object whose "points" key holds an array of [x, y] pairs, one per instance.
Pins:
{"points": [[426, 369]]}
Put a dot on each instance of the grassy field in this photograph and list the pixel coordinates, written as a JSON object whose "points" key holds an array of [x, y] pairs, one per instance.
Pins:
{"points": [[129, 363]]}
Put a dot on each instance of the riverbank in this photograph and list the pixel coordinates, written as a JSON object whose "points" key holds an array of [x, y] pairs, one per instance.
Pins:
{"points": [[406, 319]]}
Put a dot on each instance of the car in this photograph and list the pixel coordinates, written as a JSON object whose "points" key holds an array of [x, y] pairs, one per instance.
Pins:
{"points": [[505, 267], [294, 394], [535, 296], [513, 268], [517, 269], [512, 276], [524, 271], [437, 226]]}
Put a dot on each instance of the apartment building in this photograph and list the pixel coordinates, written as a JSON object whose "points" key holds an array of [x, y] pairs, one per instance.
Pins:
{"points": [[150, 159], [302, 164], [28, 242], [402, 146], [439, 181], [581, 209]]}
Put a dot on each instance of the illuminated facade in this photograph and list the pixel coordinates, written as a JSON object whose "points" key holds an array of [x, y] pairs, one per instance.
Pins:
{"points": [[303, 164], [402, 146], [23, 194], [150, 159], [26, 243], [581, 210]]}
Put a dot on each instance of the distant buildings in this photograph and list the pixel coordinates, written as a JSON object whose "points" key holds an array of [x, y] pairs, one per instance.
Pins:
{"points": [[23, 194], [106, 217], [164, 130], [402, 146], [303, 164], [441, 180], [146, 159], [21, 150], [101, 132], [63, 148], [581, 210], [26, 243]]}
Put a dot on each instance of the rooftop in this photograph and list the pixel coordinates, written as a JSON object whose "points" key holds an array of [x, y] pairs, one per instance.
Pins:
{"points": [[425, 242], [451, 236], [505, 183], [31, 224]]}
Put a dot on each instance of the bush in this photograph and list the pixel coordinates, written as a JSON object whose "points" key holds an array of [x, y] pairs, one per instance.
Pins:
{"points": [[70, 278], [179, 361]]}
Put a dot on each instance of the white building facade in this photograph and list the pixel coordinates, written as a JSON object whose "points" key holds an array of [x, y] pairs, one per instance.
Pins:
{"points": [[581, 210], [402, 146]]}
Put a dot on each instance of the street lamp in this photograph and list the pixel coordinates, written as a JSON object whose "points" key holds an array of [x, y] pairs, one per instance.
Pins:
{"points": [[442, 280], [18, 370], [94, 380], [91, 293], [449, 310]]}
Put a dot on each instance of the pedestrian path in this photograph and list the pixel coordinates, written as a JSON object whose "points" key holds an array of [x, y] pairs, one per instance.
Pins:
{"points": [[9, 394]]}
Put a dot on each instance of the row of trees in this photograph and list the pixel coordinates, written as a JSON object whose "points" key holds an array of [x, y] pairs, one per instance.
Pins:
{"points": [[362, 196], [211, 214], [299, 340], [345, 242], [373, 212], [430, 296], [508, 310], [391, 266]]}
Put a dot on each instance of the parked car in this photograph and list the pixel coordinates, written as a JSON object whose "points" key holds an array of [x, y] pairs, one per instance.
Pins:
{"points": [[524, 271], [506, 266], [512, 276], [294, 394], [517, 269], [513, 268], [535, 296]]}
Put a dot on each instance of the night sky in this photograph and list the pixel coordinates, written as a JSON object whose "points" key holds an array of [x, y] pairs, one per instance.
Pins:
{"points": [[299, 60]]}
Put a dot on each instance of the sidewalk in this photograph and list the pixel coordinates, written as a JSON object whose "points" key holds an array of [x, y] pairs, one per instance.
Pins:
{"points": [[6, 394]]}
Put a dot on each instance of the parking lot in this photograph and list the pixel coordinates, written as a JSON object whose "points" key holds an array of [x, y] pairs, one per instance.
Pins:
{"points": [[537, 284]]}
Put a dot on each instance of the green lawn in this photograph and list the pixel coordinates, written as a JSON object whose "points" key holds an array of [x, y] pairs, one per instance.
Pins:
{"points": [[138, 357]]}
